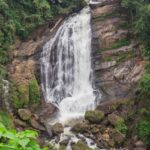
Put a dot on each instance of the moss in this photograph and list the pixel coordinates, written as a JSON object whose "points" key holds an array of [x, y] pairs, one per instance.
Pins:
{"points": [[80, 146], [120, 125], [34, 92], [62, 147], [119, 58], [23, 91], [6, 120], [118, 44], [143, 128], [94, 116], [79, 128]]}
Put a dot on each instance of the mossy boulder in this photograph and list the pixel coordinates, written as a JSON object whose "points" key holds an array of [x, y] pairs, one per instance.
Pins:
{"points": [[94, 116], [80, 146], [118, 122], [24, 114], [79, 128]]}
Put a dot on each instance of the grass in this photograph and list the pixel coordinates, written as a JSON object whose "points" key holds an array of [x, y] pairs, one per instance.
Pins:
{"points": [[120, 57], [118, 44]]}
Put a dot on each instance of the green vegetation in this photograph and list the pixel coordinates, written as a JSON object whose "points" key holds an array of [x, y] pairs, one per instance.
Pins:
{"points": [[143, 127], [24, 95], [6, 120], [118, 44], [23, 91], [12, 140], [144, 131], [119, 57], [145, 86], [34, 92], [120, 126], [139, 12], [18, 18], [94, 116]]}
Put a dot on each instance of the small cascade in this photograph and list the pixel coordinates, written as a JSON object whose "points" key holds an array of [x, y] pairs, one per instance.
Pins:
{"points": [[5, 95], [66, 72]]}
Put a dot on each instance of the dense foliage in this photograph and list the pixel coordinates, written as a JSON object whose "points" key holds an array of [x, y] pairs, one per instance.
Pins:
{"points": [[139, 11], [20, 17], [12, 140]]}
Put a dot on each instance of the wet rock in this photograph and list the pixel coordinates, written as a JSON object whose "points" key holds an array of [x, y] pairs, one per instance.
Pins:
{"points": [[24, 114], [113, 119], [94, 116], [57, 129], [65, 142], [48, 128], [35, 124], [80, 146], [46, 110], [79, 128]]}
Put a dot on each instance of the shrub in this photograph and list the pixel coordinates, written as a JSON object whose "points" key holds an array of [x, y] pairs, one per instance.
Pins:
{"points": [[144, 131], [121, 126], [34, 92], [12, 140], [144, 87], [23, 94], [6, 120]]}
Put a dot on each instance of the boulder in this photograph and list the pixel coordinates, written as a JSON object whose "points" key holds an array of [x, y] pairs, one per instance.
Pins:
{"points": [[105, 137], [94, 116], [139, 144], [118, 137], [79, 128], [114, 119], [35, 124], [94, 130], [21, 123], [65, 141], [57, 129], [80, 146], [24, 114]]}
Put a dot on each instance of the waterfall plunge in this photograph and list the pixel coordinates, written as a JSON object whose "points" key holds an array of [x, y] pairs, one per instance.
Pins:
{"points": [[66, 67]]}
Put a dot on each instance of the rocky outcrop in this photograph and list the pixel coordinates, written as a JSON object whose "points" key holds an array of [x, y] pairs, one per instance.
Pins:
{"points": [[116, 57]]}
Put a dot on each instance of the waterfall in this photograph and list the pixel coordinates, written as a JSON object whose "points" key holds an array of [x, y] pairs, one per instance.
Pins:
{"points": [[66, 74], [5, 95]]}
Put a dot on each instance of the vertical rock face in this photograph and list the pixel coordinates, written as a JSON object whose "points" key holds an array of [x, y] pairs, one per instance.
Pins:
{"points": [[116, 58]]}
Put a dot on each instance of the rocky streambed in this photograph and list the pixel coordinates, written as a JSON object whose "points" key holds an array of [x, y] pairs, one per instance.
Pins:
{"points": [[107, 127]]}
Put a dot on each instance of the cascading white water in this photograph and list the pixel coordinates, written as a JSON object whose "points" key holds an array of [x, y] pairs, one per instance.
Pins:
{"points": [[66, 67]]}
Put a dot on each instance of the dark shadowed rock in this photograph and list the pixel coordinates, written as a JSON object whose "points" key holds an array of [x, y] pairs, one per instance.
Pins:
{"points": [[35, 124], [21, 123]]}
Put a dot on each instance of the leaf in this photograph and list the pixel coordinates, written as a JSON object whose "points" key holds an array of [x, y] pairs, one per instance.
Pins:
{"points": [[24, 142]]}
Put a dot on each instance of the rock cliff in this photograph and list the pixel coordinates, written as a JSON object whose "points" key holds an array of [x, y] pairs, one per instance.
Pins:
{"points": [[116, 55]]}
